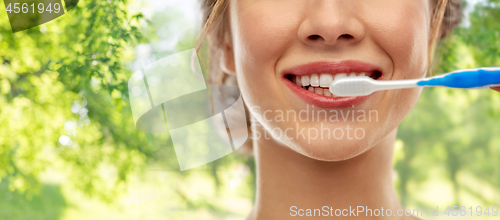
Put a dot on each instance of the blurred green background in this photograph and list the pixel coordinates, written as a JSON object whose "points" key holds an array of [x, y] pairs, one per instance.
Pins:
{"points": [[69, 148]]}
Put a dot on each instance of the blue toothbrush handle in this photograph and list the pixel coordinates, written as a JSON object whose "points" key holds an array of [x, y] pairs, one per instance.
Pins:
{"points": [[465, 79]]}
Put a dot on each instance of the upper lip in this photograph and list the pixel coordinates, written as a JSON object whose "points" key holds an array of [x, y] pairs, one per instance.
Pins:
{"points": [[333, 68]]}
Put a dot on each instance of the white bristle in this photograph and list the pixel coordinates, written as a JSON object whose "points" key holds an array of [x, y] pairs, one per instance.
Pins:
{"points": [[364, 85], [352, 86]]}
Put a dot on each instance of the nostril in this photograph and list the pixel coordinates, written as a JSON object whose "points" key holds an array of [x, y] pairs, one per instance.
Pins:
{"points": [[346, 36], [314, 37]]}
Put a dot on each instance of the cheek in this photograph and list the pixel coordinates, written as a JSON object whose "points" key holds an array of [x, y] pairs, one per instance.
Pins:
{"points": [[402, 29], [261, 33]]}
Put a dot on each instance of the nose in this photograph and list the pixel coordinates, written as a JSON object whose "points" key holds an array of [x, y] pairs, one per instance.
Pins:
{"points": [[331, 23]]}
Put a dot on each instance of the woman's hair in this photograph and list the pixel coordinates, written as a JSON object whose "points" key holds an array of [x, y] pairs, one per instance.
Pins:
{"points": [[446, 15]]}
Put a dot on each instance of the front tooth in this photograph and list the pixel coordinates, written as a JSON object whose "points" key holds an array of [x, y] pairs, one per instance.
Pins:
{"points": [[325, 80], [305, 80], [318, 91], [362, 74], [298, 81], [311, 89], [314, 80], [340, 75], [352, 74], [326, 92]]}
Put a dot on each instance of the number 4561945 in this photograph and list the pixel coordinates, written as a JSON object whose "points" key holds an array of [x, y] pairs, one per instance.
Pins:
{"points": [[26, 8]]}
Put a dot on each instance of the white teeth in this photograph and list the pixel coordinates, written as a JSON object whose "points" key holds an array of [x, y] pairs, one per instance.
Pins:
{"points": [[298, 81], [326, 92], [322, 80], [305, 80], [314, 80], [319, 83], [340, 75], [318, 91], [325, 80]]}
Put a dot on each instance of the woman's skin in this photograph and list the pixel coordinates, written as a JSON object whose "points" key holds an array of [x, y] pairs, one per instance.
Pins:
{"points": [[268, 38]]}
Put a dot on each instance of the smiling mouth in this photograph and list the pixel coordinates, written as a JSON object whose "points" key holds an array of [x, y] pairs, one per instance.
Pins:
{"points": [[319, 83]]}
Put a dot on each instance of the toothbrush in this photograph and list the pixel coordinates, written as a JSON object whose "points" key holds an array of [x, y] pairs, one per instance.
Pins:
{"points": [[464, 79]]}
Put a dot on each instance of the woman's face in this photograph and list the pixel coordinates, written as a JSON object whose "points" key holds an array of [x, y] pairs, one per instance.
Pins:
{"points": [[286, 53]]}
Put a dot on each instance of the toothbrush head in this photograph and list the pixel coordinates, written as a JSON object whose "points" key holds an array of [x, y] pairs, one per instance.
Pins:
{"points": [[352, 86]]}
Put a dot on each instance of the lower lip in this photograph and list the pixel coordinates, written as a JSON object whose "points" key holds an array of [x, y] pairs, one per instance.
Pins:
{"points": [[324, 101]]}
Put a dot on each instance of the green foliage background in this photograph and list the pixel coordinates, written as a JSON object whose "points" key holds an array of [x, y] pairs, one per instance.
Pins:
{"points": [[69, 77]]}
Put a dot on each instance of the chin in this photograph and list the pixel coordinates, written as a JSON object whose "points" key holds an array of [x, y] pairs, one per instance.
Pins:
{"points": [[332, 148], [333, 151]]}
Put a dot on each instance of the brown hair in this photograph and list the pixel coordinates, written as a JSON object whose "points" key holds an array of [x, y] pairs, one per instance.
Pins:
{"points": [[216, 28], [446, 15]]}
